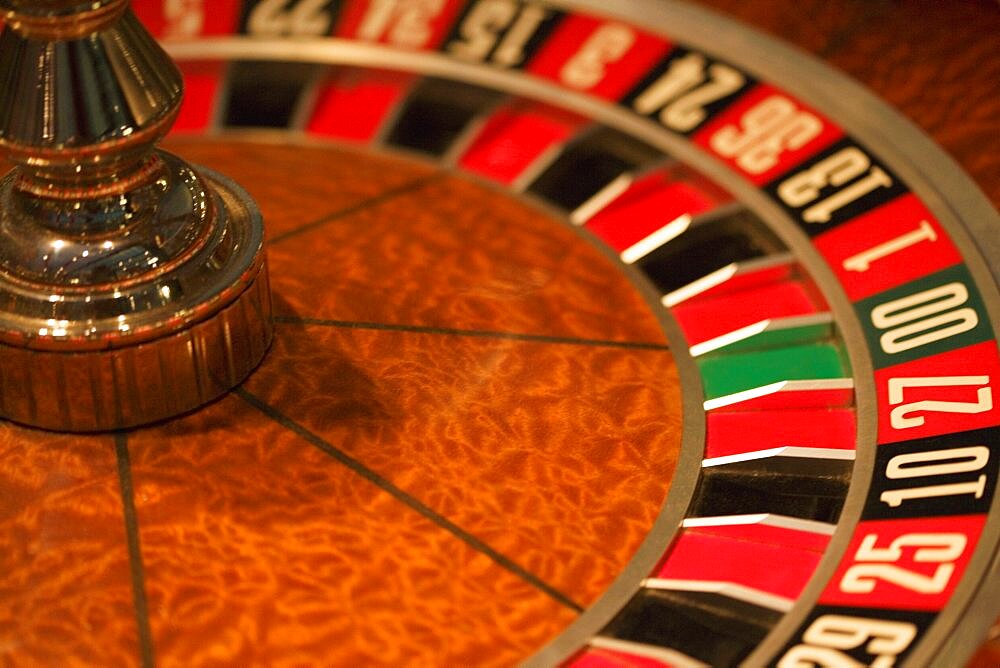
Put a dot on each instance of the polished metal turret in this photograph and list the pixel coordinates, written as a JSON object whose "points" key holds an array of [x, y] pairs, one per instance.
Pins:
{"points": [[133, 287]]}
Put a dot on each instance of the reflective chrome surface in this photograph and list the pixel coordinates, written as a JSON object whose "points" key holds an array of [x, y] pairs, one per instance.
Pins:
{"points": [[125, 274], [183, 251], [84, 112], [51, 20]]}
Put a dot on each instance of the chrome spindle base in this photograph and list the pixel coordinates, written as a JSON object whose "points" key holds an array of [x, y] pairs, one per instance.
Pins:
{"points": [[132, 286]]}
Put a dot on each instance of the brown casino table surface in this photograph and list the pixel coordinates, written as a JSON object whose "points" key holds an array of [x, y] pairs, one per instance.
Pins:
{"points": [[497, 424]]}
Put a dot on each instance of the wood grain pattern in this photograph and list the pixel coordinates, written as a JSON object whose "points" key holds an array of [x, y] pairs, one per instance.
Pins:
{"points": [[558, 456], [65, 586], [453, 490], [325, 183], [453, 254], [261, 550]]}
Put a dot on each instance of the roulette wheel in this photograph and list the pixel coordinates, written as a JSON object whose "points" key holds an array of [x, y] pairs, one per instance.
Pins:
{"points": [[605, 334]]}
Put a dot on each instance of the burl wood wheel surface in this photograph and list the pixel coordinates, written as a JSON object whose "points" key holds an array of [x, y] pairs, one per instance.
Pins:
{"points": [[568, 368], [453, 447]]}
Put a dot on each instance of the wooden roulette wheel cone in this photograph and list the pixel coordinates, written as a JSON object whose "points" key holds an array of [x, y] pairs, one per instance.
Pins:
{"points": [[132, 286]]}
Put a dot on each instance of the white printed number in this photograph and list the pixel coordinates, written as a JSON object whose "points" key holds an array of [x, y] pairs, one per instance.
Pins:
{"points": [[407, 24], [951, 462], [498, 30], [924, 317], [300, 18], [587, 68], [901, 417], [937, 548], [830, 636], [685, 89], [768, 129], [863, 261], [184, 18], [848, 169]]}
